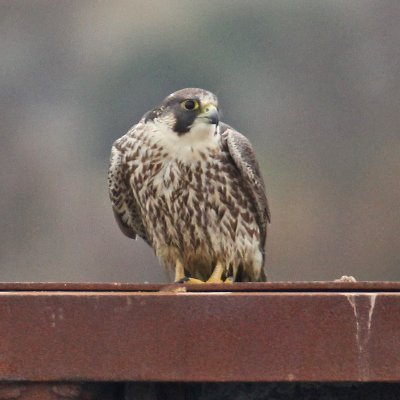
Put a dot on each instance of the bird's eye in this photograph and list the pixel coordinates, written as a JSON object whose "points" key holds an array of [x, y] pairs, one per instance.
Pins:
{"points": [[190, 105]]}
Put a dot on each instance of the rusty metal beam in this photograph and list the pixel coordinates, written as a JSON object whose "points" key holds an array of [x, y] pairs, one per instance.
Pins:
{"points": [[254, 333], [313, 286]]}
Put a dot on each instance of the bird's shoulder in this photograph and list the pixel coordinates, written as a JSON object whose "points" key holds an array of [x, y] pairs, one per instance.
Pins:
{"points": [[244, 158], [127, 142]]}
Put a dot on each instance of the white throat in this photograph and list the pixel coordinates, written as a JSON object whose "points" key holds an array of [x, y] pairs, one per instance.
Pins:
{"points": [[201, 138]]}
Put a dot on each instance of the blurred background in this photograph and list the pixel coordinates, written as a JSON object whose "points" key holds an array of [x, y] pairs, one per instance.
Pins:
{"points": [[314, 84]]}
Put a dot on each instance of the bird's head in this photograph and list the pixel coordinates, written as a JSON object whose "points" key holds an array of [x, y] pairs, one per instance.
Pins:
{"points": [[186, 111]]}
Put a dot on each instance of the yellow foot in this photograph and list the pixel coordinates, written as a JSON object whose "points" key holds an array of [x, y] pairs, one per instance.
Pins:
{"points": [[219, 280], [216, 276], [228, 280], [213, 279], [189, 280]]}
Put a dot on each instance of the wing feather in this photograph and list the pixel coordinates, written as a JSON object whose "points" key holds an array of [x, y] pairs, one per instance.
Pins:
{"points": [[243, 155], [126, 210]]}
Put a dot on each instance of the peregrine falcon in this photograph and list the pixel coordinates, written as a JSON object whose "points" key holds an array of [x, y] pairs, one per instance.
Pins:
{"points": [[191, 187]]}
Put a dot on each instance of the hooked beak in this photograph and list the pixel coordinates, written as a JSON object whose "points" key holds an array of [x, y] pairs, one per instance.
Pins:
{"points": [[210, 113]]}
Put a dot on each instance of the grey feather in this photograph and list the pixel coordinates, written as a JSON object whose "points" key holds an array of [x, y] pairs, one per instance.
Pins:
{"points": [[243, 155], [126, 210]]}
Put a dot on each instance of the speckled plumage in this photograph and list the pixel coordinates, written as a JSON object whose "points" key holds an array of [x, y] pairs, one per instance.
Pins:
{"points": [[194, 193]]}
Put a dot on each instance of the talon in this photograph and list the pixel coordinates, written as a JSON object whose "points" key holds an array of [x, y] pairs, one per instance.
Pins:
{"points": [[229, 280], [182, 280]]}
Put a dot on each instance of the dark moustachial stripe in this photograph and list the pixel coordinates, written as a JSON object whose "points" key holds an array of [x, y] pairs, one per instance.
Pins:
{"points": [[184, 118]]}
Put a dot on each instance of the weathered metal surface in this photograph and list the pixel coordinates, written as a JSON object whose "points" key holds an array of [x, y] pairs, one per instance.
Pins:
{"points": [[314, 286], [215, 336], [61, 391]]}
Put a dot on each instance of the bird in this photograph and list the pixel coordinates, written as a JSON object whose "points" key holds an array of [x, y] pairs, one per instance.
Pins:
{"points": [[190, 186]]}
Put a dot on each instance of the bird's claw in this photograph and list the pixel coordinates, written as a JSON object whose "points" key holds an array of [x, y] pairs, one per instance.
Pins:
{"points": [[189, 280]]}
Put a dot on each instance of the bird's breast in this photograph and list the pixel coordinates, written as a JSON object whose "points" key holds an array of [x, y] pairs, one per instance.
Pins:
{"points": [[199, 209]]}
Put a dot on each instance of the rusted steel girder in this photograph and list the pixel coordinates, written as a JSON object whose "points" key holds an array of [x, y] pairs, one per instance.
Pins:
{"points": [[313, 286], [210, 333]]}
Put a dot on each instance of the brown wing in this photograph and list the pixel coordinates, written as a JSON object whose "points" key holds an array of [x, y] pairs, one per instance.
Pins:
{"points": [[126, 211], [243, 155]]}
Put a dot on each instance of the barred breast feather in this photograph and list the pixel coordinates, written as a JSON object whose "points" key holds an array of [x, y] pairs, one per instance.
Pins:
{"points": [[200, 201]]}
